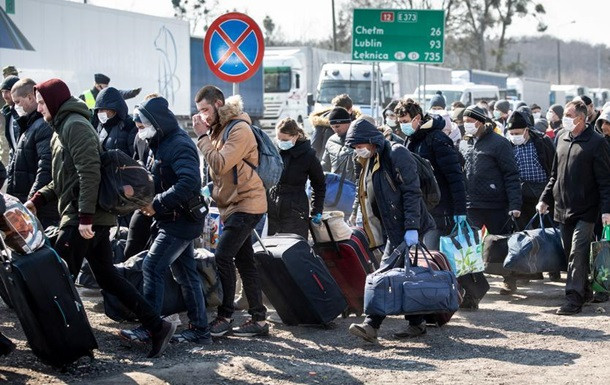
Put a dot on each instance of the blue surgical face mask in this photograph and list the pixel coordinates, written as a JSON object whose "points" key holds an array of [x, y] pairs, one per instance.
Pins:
{"points": [[407, 128], [285, 144]]}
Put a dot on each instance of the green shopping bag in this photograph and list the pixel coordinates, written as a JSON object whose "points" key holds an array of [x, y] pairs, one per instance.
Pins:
{"points": [[600, 263]]}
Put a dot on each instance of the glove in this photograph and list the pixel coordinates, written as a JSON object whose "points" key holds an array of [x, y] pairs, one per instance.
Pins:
{"points": [[317, 219], [515, 213], [459, 219], [411, 238], [542, 208]]}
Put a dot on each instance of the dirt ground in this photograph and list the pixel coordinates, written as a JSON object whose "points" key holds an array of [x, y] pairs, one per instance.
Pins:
{"points": [[510, 340]]}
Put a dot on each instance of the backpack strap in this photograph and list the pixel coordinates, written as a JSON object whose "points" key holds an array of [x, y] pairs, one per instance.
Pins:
{"points": [[225, 136]]}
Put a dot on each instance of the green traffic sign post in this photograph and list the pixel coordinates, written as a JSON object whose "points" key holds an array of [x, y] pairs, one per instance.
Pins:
{"points": [[399, 35], [9, 7]]}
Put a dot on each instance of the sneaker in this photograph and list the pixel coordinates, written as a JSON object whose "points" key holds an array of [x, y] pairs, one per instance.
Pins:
{"points": [[508, 287], [364, 331], [139, 334], [599, 297], [412, 331], [252, 328], [569, 308], [160, 339], [555, 276], [194, 335], [220, 327]]}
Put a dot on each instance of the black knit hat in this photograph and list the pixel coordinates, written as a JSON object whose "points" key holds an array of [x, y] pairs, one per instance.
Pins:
{"points": [[517, 120], [339, 115], [587, 100], [476, 113], [101, 79], [8, 82]]}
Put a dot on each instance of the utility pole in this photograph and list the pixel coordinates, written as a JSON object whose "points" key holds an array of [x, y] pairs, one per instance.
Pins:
{"points": [[334, 27], [599, 66], [558, 62]]}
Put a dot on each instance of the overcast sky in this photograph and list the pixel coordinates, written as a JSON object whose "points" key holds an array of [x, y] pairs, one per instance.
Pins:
{"points": [[302, 19]]}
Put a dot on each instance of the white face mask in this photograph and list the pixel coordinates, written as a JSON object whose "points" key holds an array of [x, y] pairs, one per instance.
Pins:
{"points": [[363, 152], [517, 139], [550, 116], [568, 123], [20, 111], [470, 128], [103, 117], [390, 122], [147, 132], [285, 144], [536, 115]]}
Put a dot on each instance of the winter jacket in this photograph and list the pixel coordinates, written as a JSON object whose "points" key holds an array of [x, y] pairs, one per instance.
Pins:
{"points": [[431, 143], [30, 166], [175, 171], [248, 195], [75, 166], [2, 174], [580, 182], [288, 204], [119, 132], [321, 131], [9, 112], [339, 157], [398, 200], [492, 175]]}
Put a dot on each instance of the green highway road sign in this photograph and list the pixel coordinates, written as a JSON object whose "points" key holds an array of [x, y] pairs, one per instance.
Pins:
{"points": [[399, 35]]}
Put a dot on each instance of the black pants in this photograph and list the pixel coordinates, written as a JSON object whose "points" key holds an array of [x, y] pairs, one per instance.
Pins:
{"points": [[139, 236], [577, 237], [73, 249], [235, 250]]}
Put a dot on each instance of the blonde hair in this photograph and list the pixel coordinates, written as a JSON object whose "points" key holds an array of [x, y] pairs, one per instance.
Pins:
{"points": [[290, 127]]}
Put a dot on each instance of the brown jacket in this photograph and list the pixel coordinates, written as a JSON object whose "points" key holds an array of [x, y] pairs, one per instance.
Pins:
{"points": [[248, 196]]}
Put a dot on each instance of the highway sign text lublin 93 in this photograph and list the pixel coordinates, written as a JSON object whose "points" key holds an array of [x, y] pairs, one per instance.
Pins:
{"points": [[398, 35]]}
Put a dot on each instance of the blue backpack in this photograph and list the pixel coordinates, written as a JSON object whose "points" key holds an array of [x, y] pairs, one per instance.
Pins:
{"points": [[270, 164]]}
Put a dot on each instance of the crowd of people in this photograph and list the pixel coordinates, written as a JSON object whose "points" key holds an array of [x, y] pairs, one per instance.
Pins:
{"points": [[490, 163]]}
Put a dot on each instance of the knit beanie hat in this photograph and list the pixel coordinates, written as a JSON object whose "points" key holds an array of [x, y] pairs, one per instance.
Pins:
{"points": [[502, 105], [438, 100], [8, 82], [54, 92], [558, 110], [339, 115], [517, 120], [9, 70], [101, 79], [476, 113]]}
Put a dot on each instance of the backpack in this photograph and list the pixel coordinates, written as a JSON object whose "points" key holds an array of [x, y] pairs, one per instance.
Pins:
{"points": [[270, 164], [125, 184], [431, 193]]}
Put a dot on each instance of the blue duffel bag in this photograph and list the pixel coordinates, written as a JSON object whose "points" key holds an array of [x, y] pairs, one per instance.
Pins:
{"points": [[410, 289], [536, 250]]}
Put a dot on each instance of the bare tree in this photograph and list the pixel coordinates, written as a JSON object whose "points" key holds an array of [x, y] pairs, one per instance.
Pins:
{"points": [[197, 12]]}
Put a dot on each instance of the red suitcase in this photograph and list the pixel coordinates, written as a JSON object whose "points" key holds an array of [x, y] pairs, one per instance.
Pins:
{"points": [[349, 263], [439, 262]]}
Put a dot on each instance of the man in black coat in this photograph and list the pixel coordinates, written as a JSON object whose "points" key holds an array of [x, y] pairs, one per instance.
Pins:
{"points": [[493, 188], [30, 167], [579, 189], [116, 128], [10, 115]]}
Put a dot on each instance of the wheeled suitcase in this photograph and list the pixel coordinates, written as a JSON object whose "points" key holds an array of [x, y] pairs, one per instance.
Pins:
{"points": [[349, 263], [296, 281], [439, 262], [49, 309]]}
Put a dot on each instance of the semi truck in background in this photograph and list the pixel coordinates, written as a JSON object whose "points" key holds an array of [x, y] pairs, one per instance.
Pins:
{"points": [[561, 94], [529, 90], [466, 93], [135, 50], [250, 90], [479, 77], [290, 78]]}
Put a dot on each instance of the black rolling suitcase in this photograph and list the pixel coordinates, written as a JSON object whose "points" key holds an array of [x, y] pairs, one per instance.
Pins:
{"points": [[49, 309], [297, 282]]}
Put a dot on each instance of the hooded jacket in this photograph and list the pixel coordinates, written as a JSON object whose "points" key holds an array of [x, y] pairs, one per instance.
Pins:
{"points": [[492, 175], [321, 130], [248, 195], [399, 203], [75, 166], [339, 157], [431, 143], [579, 186], [603, 116], [175, 171], [120, 131], [30, 166]]}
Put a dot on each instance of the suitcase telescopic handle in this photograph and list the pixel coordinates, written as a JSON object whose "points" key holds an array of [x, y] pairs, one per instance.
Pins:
{"points": [[258, 238], [5, 255]]}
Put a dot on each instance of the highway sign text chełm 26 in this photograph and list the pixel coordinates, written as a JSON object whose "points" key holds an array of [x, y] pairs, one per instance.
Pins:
{"points": [[415, 36]]}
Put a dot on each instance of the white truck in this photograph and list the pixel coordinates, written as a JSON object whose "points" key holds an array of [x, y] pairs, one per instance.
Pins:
{"points": [[72, 41], [290, 75], [563, 93], [529, 90], [466, 93]]}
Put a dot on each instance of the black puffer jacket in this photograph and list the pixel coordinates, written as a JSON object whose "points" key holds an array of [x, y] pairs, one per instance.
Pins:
{"points": [[288, 205], [431, 143], [321, 131], [9, 112], [120, 131], [492, 175], [580, 182]]}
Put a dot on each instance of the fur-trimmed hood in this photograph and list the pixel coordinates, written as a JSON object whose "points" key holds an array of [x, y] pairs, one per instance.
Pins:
{"points": [[232, 109], [320, 118]]}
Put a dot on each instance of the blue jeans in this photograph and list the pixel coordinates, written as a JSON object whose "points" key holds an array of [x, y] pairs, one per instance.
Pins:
{"points": [[167, 251]]}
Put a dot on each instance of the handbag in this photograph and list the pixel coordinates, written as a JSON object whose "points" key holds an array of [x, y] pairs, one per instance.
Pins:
{"points": [[411, 289], [463, 249], [600, 263], [332, 228], [495, 250], [536, 250]]}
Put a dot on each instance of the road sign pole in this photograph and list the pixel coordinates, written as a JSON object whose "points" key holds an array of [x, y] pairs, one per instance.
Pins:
{"points": [[235, 88], [419, 83], [424, 103]]}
